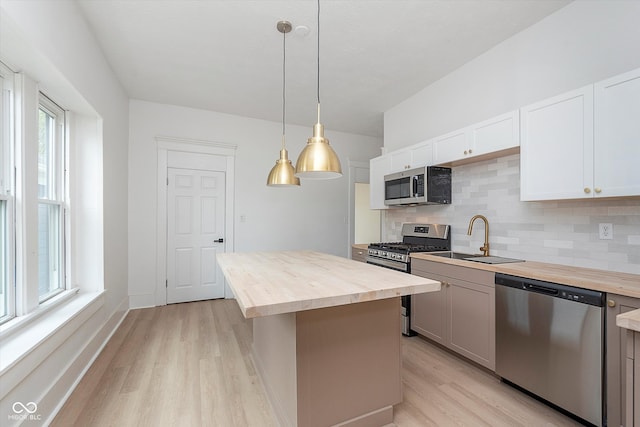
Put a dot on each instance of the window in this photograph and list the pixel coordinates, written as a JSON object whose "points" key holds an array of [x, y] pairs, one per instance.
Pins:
{"points": [[50, 199], [21, 229], [7, 270]]}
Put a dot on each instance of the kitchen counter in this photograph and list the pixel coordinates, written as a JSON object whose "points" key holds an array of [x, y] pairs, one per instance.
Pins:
{"points": [[326, 333], [629, 320], [600, 280], [268, 283]]}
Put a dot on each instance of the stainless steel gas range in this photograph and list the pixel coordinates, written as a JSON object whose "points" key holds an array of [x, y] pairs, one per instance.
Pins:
{"points": [[396, 255]]}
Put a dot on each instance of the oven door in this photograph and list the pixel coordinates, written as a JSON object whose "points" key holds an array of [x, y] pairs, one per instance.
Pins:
{"points": [[388, 263]]}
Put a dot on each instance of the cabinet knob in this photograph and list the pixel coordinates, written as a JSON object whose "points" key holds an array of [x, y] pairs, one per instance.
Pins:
{"points": [[611, 303], [598, 190], [465, 152], [587, 190], [470, 151]]}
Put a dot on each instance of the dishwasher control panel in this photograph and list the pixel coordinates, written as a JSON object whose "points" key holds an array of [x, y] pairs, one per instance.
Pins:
{"points": [[556, 290]]}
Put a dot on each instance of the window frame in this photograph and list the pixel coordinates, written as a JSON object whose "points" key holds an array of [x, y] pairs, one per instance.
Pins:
{"points": [[7, 189], [20, 104], [57, 195]]}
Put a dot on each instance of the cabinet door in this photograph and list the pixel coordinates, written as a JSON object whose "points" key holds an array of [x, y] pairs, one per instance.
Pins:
{"points": [[358, 254], [428, 315], [617, 136], [414, 156], [378, 168], [556, 147], [616, 347], [400, 160], [453, 146], [472, 321], [636, 380], [496, 134], [422, 154]]}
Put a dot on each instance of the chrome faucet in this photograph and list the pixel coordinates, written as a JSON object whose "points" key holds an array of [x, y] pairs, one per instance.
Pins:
{"points": [[484, 248]]}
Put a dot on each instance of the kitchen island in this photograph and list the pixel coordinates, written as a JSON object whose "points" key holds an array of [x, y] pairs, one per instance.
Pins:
{"points": [[326, 333]]}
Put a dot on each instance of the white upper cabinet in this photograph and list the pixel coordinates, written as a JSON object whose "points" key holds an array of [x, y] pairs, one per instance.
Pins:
{"points": [[583, 144], [415, 156], [617, 136], [487, 137], [378, 168], [556, 147], [452, 146], [496, 134]]}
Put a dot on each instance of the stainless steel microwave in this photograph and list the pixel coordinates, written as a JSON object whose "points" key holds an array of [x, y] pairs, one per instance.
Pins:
{"points": [[428, 185]]}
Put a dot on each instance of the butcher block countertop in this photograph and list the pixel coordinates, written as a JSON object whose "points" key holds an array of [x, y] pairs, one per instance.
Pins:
{"points": [[600, 280], [629, 320], [268, 283]]}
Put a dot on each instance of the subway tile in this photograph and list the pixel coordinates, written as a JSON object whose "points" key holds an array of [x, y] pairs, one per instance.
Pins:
{"points": [[561, 231]]}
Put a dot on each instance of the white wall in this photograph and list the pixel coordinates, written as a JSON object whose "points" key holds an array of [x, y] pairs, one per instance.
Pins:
{"points": [[583, 42], [50, 42], [580, 44], [313, 216]]}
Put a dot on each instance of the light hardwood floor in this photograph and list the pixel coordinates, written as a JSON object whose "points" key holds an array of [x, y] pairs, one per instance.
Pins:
{"points": [[190, 365]]}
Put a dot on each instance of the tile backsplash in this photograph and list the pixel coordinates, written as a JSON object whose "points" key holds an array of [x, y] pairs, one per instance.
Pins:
{"points": [[560, 232]]}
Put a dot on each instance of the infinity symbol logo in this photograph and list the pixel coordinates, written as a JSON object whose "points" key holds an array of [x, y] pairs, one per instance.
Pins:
{"points": [[20, 407]]}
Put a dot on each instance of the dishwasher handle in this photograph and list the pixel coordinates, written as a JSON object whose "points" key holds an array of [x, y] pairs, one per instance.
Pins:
{"points": [[533, 287]]}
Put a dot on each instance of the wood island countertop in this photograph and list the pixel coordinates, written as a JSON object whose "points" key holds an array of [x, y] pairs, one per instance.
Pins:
{"points": [[626, 284], [629, 320], [268, 283]]}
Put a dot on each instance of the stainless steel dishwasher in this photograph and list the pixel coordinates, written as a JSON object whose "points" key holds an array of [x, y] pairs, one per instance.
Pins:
{"points": [[550, 342]]}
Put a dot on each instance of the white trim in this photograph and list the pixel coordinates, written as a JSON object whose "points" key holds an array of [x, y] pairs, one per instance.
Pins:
{"points": [[164, 145], [36, 342], [351, 199]]}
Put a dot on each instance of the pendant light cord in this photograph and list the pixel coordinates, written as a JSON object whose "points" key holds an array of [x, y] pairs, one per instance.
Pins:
{"points": [[318, 86], [284, 81]]}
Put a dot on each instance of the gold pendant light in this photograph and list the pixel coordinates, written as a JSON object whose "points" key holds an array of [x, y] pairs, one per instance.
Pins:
{"points": [[318, 160], [282, 174]]}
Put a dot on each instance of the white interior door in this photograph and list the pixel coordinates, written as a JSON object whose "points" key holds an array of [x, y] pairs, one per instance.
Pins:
{"points": [[195, 234]]}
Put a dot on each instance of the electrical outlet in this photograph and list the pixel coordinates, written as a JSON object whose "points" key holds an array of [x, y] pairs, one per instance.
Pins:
{"points": [[605, 231]]}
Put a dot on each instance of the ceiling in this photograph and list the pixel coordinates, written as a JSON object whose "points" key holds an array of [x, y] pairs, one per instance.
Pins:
{"points": [[226, 55]]}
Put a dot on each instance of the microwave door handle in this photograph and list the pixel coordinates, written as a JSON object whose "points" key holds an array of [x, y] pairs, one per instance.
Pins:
{"points": [[414, 186]]}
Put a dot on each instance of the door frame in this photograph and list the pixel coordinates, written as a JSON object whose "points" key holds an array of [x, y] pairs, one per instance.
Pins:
{"points": [[165, 144], [358, 172]]}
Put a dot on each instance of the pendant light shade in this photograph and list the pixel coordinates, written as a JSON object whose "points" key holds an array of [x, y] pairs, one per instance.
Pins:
{"points": [[282, 174], [318, 160]]}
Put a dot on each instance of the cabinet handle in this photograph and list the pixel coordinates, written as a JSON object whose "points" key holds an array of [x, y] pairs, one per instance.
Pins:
{"points": [[598, 190], [611, 303], [360, 252], [587, 190]]}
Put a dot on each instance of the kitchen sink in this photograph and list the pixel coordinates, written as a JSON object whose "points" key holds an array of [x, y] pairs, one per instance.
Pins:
{"points": [[455, 255], [476, 257]]}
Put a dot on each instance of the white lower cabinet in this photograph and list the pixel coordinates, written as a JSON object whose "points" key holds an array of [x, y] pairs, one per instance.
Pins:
{"points": [[584, 143], [461, 316]]}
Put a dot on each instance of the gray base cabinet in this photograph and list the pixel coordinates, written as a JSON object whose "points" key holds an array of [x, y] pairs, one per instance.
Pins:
{"points": [[358, 253], [617, 360], [461, 316], [632, 392]]}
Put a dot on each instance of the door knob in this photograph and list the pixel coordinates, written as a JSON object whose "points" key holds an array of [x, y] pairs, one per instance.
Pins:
{"points": [[220, 240]]}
